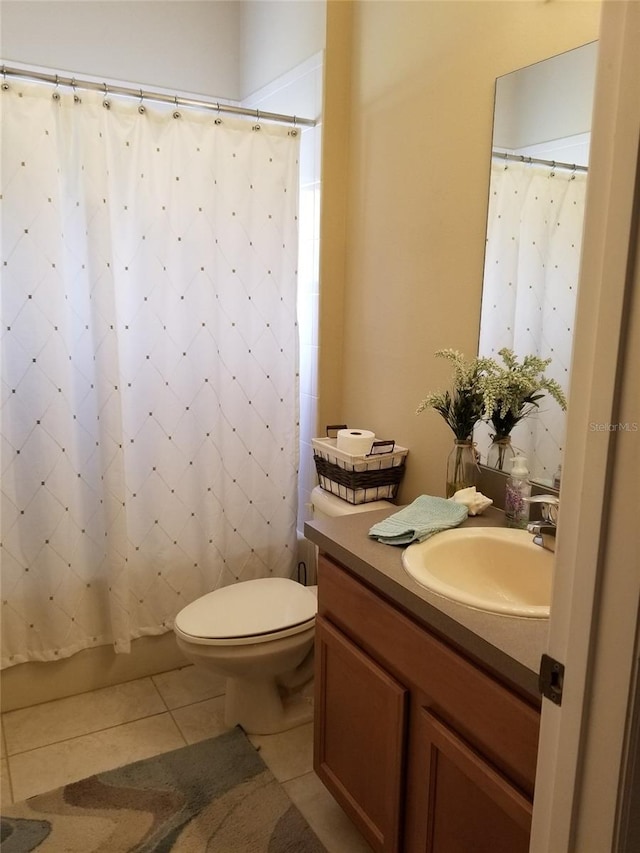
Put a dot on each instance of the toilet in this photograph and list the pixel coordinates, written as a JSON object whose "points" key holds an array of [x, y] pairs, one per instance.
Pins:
{"points": [[259, 635]]}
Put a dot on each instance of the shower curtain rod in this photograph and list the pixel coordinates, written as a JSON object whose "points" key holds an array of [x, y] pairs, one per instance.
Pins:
{"points": [[520, 158], [175, 100]]}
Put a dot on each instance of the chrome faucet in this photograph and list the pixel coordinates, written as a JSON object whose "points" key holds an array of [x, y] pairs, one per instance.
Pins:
{"points": [[545, 530]]}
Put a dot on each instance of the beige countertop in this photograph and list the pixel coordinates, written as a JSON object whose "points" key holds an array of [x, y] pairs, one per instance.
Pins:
{"points": [[507, 646]]}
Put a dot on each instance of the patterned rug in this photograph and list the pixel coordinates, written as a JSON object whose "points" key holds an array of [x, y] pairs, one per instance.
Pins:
{"points": [[216, 796]]}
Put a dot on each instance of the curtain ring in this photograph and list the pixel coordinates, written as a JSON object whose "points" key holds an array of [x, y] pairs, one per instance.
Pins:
{"points": [[105, 103], [176, 113], [76, 97], [56, 94], [141, 107], [5, 85], [256, 126]]}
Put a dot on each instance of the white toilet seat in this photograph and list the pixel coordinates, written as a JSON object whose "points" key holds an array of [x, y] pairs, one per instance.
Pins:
{"points": [[255, 611]]}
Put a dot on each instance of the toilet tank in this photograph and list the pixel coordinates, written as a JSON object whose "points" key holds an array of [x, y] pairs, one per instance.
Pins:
{"points": [[326, 505]]}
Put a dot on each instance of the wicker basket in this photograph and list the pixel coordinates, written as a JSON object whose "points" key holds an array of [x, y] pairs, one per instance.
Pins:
{"points": [[359, 479]]}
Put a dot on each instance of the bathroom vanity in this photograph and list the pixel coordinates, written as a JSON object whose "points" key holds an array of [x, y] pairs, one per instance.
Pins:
{"points": [[426, 711]]}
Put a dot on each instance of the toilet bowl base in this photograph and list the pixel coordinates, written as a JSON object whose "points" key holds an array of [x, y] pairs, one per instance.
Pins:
{"points": [[260, 708]]}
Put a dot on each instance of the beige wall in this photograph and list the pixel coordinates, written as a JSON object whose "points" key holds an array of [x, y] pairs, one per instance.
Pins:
{"points": [[333, 211], [406, 275]]}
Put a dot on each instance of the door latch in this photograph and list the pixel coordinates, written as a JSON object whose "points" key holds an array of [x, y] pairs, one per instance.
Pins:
{"points": [[551, 679]]}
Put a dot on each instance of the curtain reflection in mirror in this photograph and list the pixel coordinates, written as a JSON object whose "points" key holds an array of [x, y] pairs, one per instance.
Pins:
{"points": [[534, 237]]}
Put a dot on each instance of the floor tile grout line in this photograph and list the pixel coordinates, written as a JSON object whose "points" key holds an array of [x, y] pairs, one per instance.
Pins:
{"points": [[10, 778], [197, 702], [104, 687], [177, 725], [150, 678], [5, 758], [159, 692], [4, 739], [92, 732], [167, 710], [28, 708], [299, 776]]}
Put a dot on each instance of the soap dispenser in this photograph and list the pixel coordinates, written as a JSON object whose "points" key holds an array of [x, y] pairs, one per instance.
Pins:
{"points": [[518, 489]]}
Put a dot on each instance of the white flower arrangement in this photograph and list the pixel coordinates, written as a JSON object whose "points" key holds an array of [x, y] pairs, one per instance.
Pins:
{"points": [[485, 390], [463, 407], [511, 391]]}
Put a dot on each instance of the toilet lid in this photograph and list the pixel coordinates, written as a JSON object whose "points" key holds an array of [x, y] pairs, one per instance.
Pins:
{"points": [[247, 609]]}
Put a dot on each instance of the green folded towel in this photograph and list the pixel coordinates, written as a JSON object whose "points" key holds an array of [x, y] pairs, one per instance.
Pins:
{"points": [[422, 518]]}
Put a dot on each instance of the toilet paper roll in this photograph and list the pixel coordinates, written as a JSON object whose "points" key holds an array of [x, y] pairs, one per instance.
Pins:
{"points": [[357, 442]]}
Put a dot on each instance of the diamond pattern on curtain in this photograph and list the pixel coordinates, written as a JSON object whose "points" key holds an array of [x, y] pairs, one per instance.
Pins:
{"points": [[532, 263], [149, 414]]}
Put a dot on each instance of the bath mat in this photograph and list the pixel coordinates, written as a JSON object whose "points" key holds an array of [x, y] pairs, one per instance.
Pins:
{"points": [[216, 796]]}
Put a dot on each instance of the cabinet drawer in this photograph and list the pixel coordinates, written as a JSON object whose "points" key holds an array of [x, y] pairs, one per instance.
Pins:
{"points": [[484, 712]]}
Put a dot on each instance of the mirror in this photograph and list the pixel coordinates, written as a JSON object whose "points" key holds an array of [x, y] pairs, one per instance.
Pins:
{"points": [[540, 154]]}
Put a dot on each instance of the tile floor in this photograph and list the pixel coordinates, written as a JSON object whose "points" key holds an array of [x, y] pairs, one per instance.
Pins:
{"points": [[48, 745]]}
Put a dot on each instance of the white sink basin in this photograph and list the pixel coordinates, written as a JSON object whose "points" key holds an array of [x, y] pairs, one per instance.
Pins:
{"points": [[488, 568]]}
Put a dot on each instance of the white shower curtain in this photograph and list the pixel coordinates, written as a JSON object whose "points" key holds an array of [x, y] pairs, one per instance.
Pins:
{"points": [[534, 238], [149, 364]]}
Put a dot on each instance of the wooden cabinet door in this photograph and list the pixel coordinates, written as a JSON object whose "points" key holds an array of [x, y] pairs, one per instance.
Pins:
{"points": [[467, 804], [360, 723]]}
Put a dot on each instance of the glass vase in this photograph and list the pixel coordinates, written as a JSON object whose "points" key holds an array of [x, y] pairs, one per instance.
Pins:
{"points": [[462, 467], [501, 454]]}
